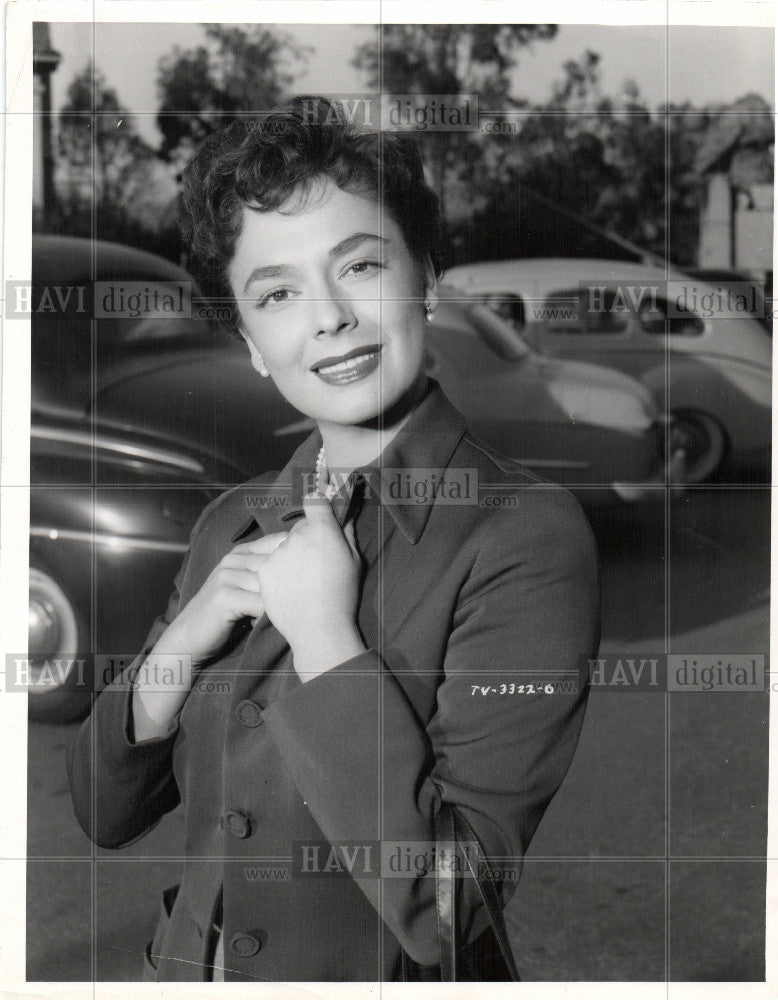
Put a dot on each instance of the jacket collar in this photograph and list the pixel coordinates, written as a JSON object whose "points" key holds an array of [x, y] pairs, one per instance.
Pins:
{"points": [[423, 446]]}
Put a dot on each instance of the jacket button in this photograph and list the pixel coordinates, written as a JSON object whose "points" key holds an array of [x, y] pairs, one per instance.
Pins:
{"points": [[237, 823], [249, 713], [245, 945]]}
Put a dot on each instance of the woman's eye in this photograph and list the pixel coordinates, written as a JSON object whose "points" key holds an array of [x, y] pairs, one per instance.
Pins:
{"points": [[277, 297], [363, 267]]}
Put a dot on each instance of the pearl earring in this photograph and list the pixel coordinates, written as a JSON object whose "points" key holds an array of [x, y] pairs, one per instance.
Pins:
{"points": [[428, 310], [262, 370]]}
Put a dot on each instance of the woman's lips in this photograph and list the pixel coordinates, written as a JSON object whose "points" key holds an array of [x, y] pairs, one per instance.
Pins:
{"points": [[353, 367]]}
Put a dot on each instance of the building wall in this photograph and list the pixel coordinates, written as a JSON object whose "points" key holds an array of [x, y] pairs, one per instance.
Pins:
{"points": [[737, 232], [754, 230]]}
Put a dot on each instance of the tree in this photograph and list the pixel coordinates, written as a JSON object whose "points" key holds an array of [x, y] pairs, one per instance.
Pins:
{"points": [[588, 175], [451, 59], [97, 142], [239, 69], [109, 181]]}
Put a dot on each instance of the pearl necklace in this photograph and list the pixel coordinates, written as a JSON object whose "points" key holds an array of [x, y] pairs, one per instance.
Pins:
{"points": [[323, 485]]}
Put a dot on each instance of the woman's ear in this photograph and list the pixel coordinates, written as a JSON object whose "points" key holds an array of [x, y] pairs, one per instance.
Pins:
{"points": [[430, 286], [431, 297], [256, 358]]}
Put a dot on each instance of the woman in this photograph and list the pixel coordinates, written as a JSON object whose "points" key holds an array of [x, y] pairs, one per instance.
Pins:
{"points": [[383, 656]]}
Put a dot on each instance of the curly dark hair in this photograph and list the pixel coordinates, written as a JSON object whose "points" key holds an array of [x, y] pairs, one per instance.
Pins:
{"points": [[260, 161]]}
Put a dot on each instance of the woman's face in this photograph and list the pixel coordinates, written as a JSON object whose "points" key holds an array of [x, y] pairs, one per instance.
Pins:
{"points": [[331, 303]]}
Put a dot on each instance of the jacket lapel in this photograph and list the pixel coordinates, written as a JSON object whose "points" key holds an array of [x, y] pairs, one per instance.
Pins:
{"points": [[277, 503]]}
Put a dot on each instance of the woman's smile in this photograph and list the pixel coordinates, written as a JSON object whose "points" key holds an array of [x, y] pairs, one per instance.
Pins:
{"points": [[349, 367]]}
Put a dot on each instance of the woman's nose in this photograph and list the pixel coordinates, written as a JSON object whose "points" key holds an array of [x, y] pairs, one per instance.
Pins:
{"points": [[333, 313]]}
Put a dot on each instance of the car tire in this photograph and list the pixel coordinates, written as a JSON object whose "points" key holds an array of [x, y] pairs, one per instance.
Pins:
{"points": [[59, 688], [704, 441]]}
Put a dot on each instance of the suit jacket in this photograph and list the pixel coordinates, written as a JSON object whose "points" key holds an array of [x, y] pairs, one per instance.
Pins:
{"points": [[479, 608]]}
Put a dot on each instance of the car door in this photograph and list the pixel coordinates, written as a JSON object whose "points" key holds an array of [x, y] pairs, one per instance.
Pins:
{"points": [[670, 344]]}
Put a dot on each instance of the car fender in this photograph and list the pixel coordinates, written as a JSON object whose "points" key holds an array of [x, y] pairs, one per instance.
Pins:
{"points": [[693, 385]]}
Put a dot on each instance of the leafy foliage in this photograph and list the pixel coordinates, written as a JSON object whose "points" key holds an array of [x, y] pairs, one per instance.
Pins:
{"points": [[97, 140], [618, 166], [451, 59], [239, 69], [579, 174]]}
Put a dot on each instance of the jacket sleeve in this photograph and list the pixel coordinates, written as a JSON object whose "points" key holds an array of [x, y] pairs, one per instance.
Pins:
{"points": [[121, 789], [368, 768]]}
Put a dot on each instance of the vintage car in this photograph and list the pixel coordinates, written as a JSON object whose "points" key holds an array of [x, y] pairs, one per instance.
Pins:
{"points": [[139, 420], [696, 346]]}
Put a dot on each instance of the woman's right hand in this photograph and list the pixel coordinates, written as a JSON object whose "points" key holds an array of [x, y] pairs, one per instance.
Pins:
{"points": [[230, 592]]}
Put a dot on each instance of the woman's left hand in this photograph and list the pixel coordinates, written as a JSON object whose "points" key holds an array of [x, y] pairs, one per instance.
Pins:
{"points": [[310, 586]]}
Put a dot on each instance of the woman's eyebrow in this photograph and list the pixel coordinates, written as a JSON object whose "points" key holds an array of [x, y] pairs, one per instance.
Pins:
{"points": [[352, 242], [344, 247], [270, 271]]}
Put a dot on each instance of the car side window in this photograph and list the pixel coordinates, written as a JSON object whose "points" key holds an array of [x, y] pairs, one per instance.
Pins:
{"points": [[662, 317], [576, 310]]}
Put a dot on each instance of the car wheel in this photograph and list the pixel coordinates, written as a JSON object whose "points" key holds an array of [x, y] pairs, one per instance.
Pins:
{"points": [[704, 441], [58, 685]]}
